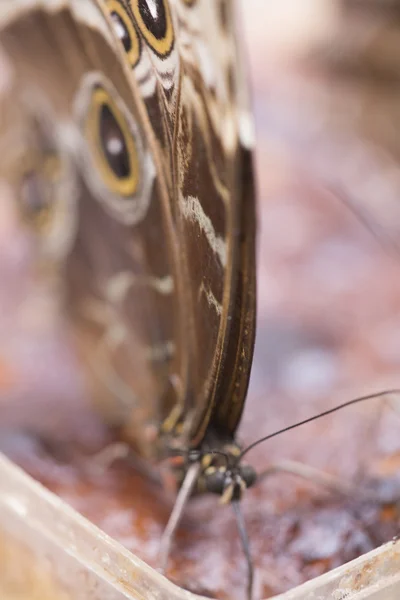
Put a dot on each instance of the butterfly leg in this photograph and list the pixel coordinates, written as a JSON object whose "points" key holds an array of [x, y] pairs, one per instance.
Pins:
{"points": [[102, 461], [183, 496], [244, 538], [317, 476], [334, 484], [105, 458], [371, 432], [391, 402]]}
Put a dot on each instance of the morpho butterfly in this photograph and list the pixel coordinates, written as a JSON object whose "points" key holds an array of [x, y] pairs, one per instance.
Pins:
{"points": [[130, 159]]}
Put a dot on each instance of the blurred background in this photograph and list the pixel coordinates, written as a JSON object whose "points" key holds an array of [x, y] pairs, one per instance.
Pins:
{"points": [[325, 78]]}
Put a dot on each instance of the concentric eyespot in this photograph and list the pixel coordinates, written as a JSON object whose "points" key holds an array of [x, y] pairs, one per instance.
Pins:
{"points": [[43, 176], [153, 18], [116, 163], [38, 186], [125, 30], [112, 144]]}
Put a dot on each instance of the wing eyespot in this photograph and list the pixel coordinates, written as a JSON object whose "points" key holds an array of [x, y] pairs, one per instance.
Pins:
{"points": [[125, 30], [38, 185], [153, 18], [115, 158], [112, 144]]}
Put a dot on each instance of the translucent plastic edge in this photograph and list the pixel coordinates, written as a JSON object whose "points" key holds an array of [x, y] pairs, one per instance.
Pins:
{"points": [[375, 575], [44, 524], [29, 512]]}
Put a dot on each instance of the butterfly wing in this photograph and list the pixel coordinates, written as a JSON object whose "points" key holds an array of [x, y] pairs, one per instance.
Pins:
{"points": [[189, 52], [216, 196], [91, 193], [157, 267]]}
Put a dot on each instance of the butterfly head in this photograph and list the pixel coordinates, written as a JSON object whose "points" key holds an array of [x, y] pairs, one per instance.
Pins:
{"points": [[225, 475], [229, 483]]}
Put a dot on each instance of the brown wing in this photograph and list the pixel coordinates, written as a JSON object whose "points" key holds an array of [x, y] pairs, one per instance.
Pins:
{"points": [[190, 77], [215, 212], [158, 269], [107, 248], [225, 310]]}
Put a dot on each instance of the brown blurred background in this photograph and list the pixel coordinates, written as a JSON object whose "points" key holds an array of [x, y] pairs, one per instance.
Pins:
{"points": [[326, 84]]}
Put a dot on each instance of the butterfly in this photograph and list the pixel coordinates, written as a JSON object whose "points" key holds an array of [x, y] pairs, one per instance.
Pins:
{"points": [[128, 138], [131, 165]]}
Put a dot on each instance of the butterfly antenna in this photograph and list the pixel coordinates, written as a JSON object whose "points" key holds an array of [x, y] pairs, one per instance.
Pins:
{"points": [[383, 237], [315, 417], [244, 538]]}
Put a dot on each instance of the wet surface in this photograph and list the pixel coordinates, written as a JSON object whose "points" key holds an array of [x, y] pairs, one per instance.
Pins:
{"points": [[328, 330]]}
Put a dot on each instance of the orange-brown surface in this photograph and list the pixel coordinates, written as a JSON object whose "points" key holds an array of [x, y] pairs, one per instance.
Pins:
{"points": [[328, 330]]}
